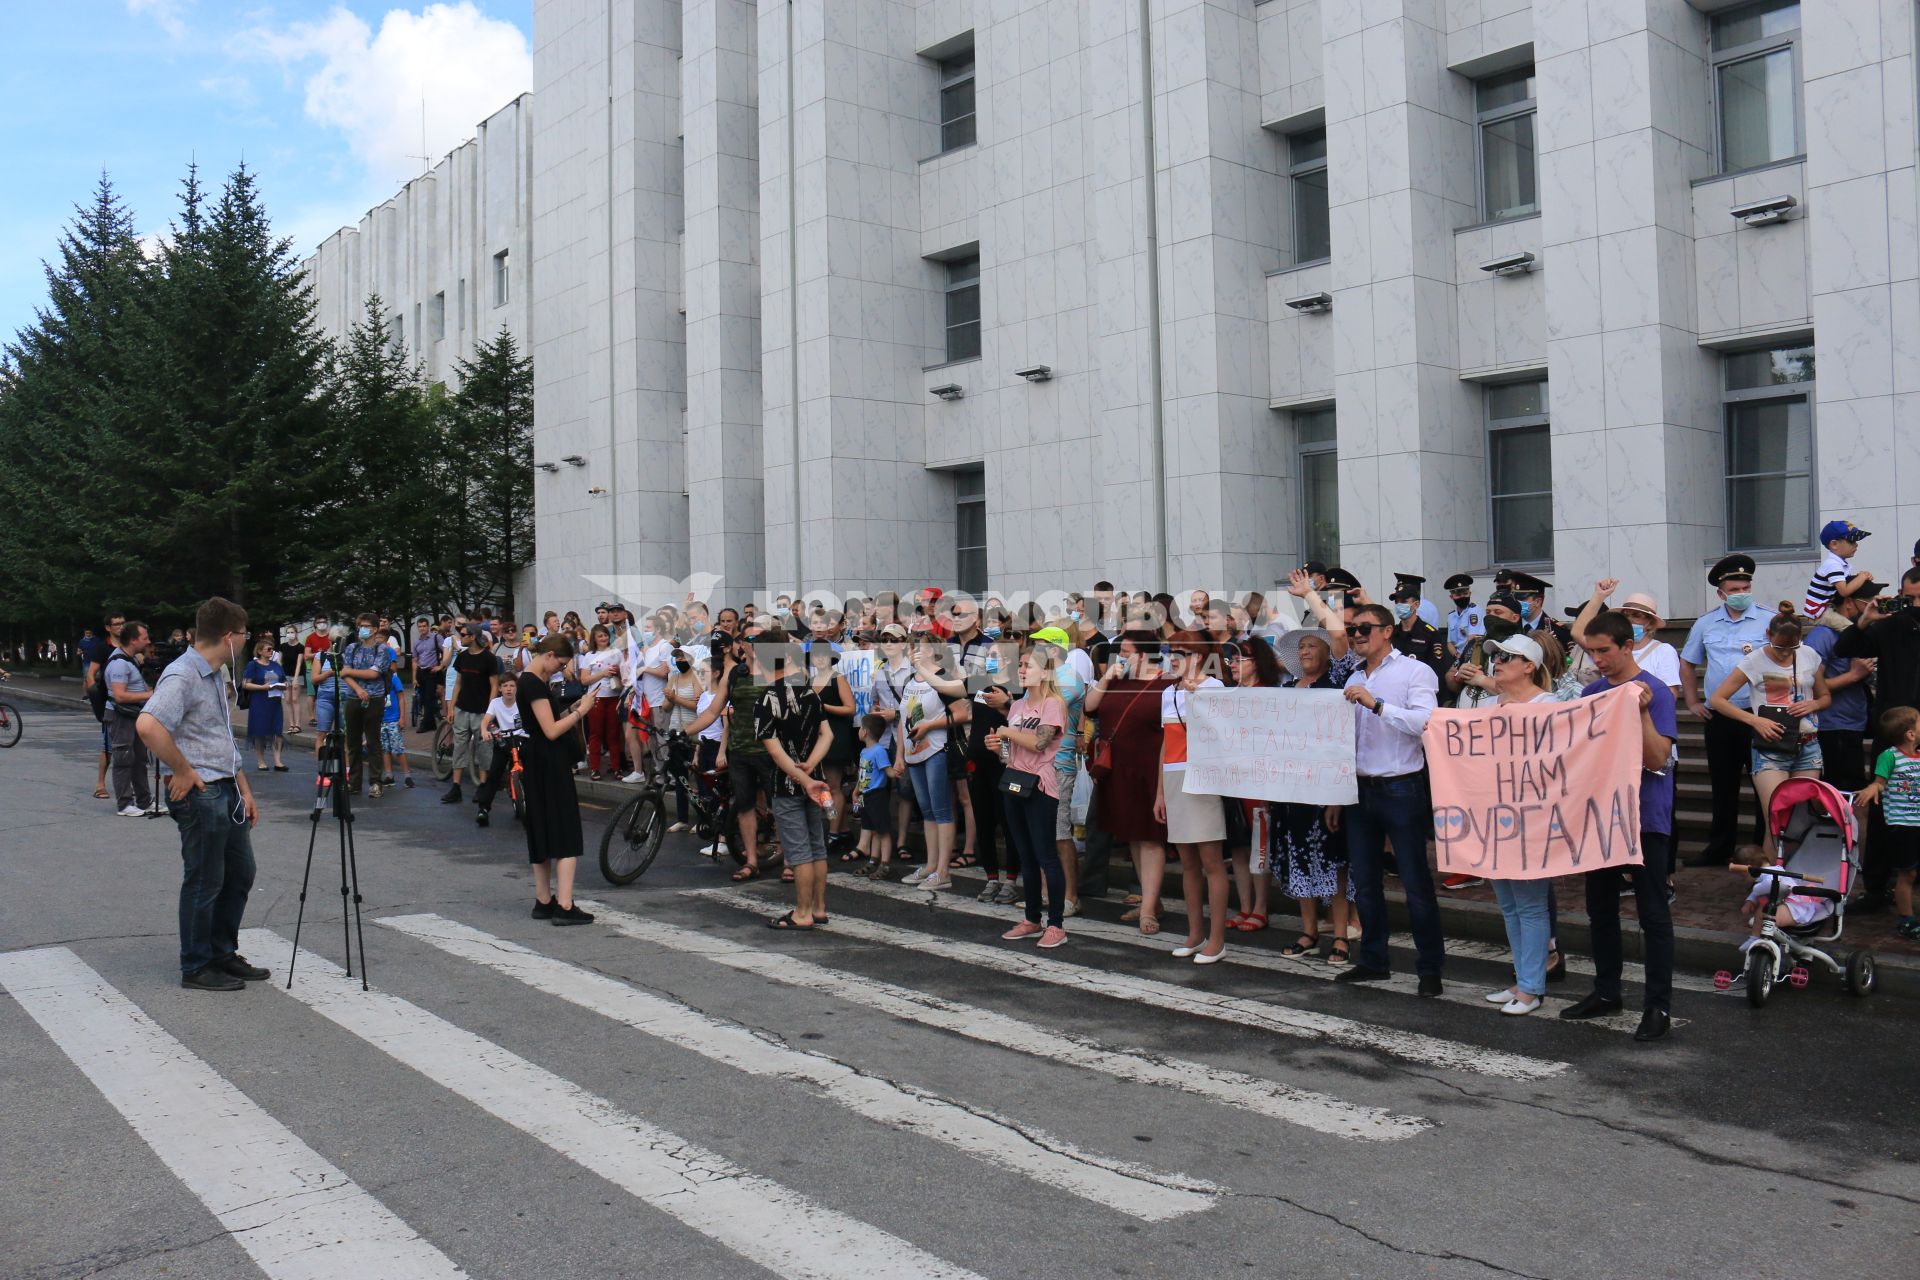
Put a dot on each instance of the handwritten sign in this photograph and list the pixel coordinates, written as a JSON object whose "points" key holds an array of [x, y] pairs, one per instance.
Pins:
{"points": [[1532, 790], [1292, 745]]}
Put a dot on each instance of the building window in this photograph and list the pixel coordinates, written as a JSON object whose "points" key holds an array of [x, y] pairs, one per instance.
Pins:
{"points": [[461, 305], [970, 530], [1520, 473], [1509, 186], [1307, 167], [1314, 438], [437, 317], [500, 281], [963, 309], [956, 101], [1756, 83], [1770, 448], [397, 330]]}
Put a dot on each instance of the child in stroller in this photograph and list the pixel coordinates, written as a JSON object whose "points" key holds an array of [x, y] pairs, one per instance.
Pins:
{"points": [[1794, 911]]}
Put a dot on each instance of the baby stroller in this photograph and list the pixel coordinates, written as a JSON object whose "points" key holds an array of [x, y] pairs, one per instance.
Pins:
{"points": [[1814, 837]]}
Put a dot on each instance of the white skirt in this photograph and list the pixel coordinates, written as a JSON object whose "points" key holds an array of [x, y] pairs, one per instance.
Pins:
{"points": [[1191, 819]]}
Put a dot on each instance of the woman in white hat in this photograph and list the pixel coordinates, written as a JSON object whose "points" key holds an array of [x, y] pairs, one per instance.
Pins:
{"points": [[1656, 657], [1520, 674]]}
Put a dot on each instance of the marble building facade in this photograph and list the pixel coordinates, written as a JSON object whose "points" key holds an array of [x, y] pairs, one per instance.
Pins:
{"points": [[1589, 286]]}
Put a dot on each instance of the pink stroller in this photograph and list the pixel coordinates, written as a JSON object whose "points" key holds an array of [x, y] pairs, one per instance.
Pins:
{"points": [[1815, 838]]}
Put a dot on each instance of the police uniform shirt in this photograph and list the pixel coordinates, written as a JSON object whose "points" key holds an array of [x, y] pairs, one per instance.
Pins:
{"points": [[1463, 625], [1423, 642]]}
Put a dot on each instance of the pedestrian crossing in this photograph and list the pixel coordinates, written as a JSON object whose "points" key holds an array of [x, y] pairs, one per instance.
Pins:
{"points": [[297, 1214]]}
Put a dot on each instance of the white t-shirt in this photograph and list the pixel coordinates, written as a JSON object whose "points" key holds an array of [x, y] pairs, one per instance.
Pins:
{"points": [[506, 716], [1173, 723], [1791, 685], [657, 654], [1081, 661], [1661, 661], [922, 703], [598, 669], [717, 731]]}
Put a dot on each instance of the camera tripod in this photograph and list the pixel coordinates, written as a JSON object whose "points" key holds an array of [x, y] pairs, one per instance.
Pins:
{"points": [[330, 789]]}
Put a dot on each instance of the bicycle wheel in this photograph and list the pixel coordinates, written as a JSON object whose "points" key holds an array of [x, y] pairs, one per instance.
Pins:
{"points": [[443, 752], [632, 840], [9, 724]]}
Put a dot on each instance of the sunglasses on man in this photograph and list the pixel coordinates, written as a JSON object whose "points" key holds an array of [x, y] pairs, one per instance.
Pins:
{"points": [[1365, 629]]}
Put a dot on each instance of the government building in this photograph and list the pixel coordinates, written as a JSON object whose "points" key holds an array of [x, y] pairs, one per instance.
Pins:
{"points": [[840, 295]]}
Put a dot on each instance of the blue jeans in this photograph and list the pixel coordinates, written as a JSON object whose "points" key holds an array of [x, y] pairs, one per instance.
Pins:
{"points": [[930, 789], [1030, 822], [1397, 809], [1524, 904], [216, 853]]}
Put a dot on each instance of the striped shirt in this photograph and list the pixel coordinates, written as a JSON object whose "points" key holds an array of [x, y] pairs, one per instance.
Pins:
{"points": [[1827, 579]]}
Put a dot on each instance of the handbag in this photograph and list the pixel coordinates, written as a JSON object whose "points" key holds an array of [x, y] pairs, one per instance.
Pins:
{"points": [[1018, 783], [1789, 723], [1100, 757]]}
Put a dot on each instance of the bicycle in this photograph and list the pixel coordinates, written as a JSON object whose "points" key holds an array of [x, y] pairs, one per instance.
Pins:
{"points": [[443, 751], [9, 721], [632, 839]]}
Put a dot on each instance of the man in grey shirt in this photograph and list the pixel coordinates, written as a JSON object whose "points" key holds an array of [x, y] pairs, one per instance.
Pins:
{"points": [[126, 692], [187, 724]]}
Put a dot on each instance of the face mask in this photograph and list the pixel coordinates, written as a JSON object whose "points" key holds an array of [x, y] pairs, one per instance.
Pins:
{"points": [[1462, 602], [684, 667], [1403, 610], [993, 664], [647, 635], [1740, 601], [1501, 628], [366, 633], [1526, 610], [992, 633], [1639, 633], [1074, 614]]}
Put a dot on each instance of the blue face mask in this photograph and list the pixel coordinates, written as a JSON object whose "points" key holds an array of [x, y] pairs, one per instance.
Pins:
{"points": [[992, 633], [993, 664], [1639, 633], [366, 633], [1074, 614], [1740, 601], [1403, 610], [1526, 610]]}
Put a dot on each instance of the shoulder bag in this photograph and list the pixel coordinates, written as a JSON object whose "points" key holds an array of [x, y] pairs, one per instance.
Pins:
{"points": [[1100, 758]]}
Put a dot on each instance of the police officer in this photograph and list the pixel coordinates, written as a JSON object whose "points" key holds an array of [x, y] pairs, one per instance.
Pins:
{"points": [[1720, 638], [1466, 621], [1412, 634], [1532, 592]]}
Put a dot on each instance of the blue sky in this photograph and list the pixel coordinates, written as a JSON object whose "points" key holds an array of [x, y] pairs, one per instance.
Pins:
{"points": [[321, 98]]}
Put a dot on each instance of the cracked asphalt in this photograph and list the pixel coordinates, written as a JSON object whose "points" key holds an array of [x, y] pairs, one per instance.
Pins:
{"points": [[1747, 1138]]}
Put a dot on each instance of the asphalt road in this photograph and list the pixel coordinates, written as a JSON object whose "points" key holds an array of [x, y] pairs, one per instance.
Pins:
{"points": [[676, 1090]]}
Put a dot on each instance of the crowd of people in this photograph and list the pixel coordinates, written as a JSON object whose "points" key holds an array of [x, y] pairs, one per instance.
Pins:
{"points": [[1031, 741]]}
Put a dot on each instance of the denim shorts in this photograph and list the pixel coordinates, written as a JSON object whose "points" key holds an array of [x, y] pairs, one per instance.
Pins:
{"points": [[1803, 757]]}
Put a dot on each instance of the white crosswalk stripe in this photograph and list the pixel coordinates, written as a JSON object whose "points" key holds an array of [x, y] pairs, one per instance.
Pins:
{"points": [[1307, 1108], [1244, 957], [1409, 1046], [757, 1218], [297, 1216], [1127, 1187]]}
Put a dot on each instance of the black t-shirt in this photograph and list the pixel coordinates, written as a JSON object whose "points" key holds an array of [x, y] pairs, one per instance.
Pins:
{"points": [[529, 690], [476, 683], [1894, 643]]}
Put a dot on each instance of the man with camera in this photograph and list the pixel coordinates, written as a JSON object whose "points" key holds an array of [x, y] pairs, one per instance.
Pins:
{"points": [[364, 669], [1891, 638]]}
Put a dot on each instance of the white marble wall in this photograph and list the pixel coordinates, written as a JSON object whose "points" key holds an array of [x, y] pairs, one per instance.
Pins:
{"points": [[1864, 266], [436, 237]]}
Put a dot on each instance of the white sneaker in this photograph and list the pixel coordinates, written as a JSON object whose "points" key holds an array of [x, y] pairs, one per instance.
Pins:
{"points": [[1071, 909], [133, 811], [943, 882], [1520, 1007], [1503, 996], [635, 776], [677, 828], [915, 876]]}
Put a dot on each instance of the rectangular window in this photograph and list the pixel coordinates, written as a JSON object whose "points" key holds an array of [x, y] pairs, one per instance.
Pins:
{"points": [[970, 530], [963, 309], [1509, 184], [397, 329], [437, 317], [1756, 83], [956, 102], [500, 281], [1307, 168], [1520, 473], [1316, 441], [1769, 448]]}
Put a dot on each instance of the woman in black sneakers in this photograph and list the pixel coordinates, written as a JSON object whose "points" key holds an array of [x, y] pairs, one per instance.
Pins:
{"points": [[554, 841]]}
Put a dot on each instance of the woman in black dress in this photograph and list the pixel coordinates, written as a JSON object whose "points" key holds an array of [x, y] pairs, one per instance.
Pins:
{"points": [[1310, 858], [554, 841]]}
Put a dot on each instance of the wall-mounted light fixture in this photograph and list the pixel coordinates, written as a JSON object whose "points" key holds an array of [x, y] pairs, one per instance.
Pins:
{"points": [[548, 466], [947, 391], [1512, 265], [1035, 373], [596, 492], [1310, 302], [574, 460], [1758, 213]]}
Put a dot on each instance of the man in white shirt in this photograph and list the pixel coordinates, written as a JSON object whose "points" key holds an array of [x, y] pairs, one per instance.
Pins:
{"points": [[1392, 697]]}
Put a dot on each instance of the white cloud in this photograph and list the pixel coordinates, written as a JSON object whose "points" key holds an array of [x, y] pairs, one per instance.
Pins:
{"points": [[370, 85], [235, 89], [169, 14]]}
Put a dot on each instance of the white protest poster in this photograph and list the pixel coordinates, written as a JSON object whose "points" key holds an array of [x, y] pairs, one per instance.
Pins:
{"points": [[1292, 745]]}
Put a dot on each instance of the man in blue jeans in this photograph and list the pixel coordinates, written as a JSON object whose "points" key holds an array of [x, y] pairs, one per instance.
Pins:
{"points": [[1392, 697], [187, 726]]}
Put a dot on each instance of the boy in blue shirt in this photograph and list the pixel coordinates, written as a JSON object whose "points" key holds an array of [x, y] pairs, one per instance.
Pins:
{"points": [[392, 746], [873, 798]]}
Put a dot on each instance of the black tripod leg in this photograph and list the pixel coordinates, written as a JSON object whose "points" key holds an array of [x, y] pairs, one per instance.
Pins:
{"points": [[346, 926], [313, 837], [359, 926]]}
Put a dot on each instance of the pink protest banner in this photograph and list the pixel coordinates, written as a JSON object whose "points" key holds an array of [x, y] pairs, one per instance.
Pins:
{"points": [[1532, 790]]}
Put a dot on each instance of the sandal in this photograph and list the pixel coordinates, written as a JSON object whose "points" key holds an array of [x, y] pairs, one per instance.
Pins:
{"points": [[1133, 900], [1130, 916], [99, 793], [787, 923], [1251, 922], [966, 860], [1338, 954], [1149, 925], [852, 855], [786, 875], [746, 873], [1305, 945], [1234, 920]]}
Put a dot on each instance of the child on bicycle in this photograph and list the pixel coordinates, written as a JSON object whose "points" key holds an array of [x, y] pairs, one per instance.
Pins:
{"points": [[502, 720], [1795, 909], [873, 798]]}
